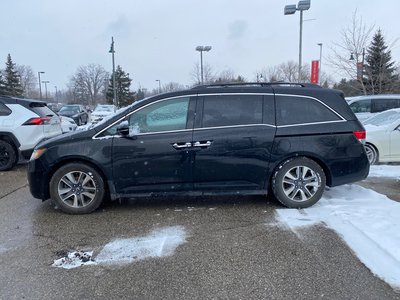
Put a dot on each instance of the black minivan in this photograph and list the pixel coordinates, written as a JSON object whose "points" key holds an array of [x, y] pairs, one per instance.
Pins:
{"points": [[291, 139]]}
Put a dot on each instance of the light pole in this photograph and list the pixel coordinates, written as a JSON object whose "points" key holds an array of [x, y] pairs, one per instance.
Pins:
{"points": [[40, 85], [112, 51], [55, 87], [159, 85], [45, 86], [290, 10], [320, 63], [201, 49]]}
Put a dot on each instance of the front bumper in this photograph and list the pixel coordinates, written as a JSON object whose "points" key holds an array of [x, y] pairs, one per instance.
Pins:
{"points": [[38, 179]]}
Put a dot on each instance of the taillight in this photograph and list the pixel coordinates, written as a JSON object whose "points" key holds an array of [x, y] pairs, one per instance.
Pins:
{"points": [[37, 121], [360, 135]]}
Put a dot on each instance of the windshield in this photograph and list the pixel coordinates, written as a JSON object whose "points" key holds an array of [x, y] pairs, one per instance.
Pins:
{"points": [[384, 118], [69, 109]]}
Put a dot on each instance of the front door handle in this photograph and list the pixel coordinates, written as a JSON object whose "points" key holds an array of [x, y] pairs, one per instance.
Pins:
{"points": [[202, 144], [179, 146]]}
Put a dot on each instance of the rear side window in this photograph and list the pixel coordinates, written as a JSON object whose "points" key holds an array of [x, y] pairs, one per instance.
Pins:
{"points": [[4, 110], [41, 109], [292, 110], [227, 110], [379, 105], [362, 106]]}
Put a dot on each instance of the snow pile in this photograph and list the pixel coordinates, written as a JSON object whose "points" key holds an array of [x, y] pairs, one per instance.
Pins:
{"points": [[385, 171], [74, 260], [367, 221], [158, 243]]}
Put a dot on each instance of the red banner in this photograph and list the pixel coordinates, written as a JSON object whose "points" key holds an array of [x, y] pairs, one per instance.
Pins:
{"points": [[314, 71]]}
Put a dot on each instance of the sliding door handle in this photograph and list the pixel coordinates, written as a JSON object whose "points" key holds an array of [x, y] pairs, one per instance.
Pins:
{"points": [[202, 144], [181, 145]]}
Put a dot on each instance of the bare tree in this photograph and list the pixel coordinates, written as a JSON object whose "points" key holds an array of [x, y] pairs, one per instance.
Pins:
{"points": [[288, 72], [354, 40], [87, 84], [28, 80], [208, 74]]}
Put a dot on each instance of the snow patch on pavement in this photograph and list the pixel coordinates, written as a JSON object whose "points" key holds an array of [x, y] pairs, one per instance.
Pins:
{"points": [[367, 221], [385, 171], [159, 243]]}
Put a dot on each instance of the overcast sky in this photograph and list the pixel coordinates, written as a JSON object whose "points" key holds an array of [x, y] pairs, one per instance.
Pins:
{"points": [[156, 39]]}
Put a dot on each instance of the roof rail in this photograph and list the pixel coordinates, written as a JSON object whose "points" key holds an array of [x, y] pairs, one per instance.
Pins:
{"points": [[260, 84]]}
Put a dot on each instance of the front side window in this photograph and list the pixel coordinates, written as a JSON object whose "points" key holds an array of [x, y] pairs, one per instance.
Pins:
{"points": [[167, 115], [362, 106], [228, 110], [292, 110]]}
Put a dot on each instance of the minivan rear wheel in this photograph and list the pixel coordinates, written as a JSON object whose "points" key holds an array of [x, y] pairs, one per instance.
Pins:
{"points": [[8, 156], [77, 188], [298, 182]]}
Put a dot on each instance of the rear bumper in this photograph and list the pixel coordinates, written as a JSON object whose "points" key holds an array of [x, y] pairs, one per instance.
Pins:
{"points": [[38, 179]]}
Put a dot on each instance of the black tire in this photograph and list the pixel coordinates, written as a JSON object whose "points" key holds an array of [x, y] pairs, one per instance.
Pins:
{"points": [[372, 154], [298, 182], [8, 156], [77, 188]]}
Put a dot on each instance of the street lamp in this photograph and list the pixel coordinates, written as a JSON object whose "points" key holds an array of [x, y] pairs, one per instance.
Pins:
{"points": [[290, 10], [40, 85], [112, 51], [201, 49], [45, 86], [159, 85], [55, 87], [320, 63]]}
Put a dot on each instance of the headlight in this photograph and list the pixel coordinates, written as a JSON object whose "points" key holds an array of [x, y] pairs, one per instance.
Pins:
{"points": [[37, 153]]}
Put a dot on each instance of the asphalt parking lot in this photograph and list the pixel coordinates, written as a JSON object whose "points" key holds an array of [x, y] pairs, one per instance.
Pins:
{"points": [[233, 249]]}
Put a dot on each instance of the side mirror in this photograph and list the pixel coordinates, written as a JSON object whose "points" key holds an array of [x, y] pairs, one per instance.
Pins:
{"points": [[123, 128]]}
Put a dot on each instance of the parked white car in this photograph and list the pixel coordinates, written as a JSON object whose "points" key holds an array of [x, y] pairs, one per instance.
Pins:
{"points": [[365, 107], [101, 111], [383, 137], [67, 124]]}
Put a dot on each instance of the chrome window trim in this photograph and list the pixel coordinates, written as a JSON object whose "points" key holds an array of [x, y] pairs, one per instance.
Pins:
{"points": [[314, 123], [234, 126], [313, 98], [228, 126]]}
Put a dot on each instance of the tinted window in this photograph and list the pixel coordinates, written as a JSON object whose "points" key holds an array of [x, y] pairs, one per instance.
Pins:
{"points": [[41, 109], [379, 105], [361, 106], [4, 110], [228, 110], [299, 110]]}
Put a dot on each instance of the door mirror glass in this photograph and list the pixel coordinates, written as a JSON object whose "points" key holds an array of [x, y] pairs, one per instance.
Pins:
{"points": [[123, 128]]}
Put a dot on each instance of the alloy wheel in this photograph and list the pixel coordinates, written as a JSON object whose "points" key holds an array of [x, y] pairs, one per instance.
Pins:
{"points": [[300, 183]]}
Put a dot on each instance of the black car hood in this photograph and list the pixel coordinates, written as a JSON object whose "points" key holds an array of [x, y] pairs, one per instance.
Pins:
{"points": [[67, 138]]}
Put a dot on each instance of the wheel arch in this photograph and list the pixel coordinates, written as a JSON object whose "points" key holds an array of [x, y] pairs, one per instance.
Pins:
{"points": [[88, 162], [316, 159]]}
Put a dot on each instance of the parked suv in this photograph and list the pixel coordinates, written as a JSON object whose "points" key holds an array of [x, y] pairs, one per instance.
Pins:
{"points": [[23, 124], [291, 139]]}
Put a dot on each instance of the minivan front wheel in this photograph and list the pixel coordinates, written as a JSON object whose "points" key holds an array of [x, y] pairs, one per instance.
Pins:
{"points": [[77, 188], [298, 182]]}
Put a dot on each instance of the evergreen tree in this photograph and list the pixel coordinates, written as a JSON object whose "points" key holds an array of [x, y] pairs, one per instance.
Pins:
{"points": [[12, 80], [2, 85], [122, 86], [379, 67]]}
